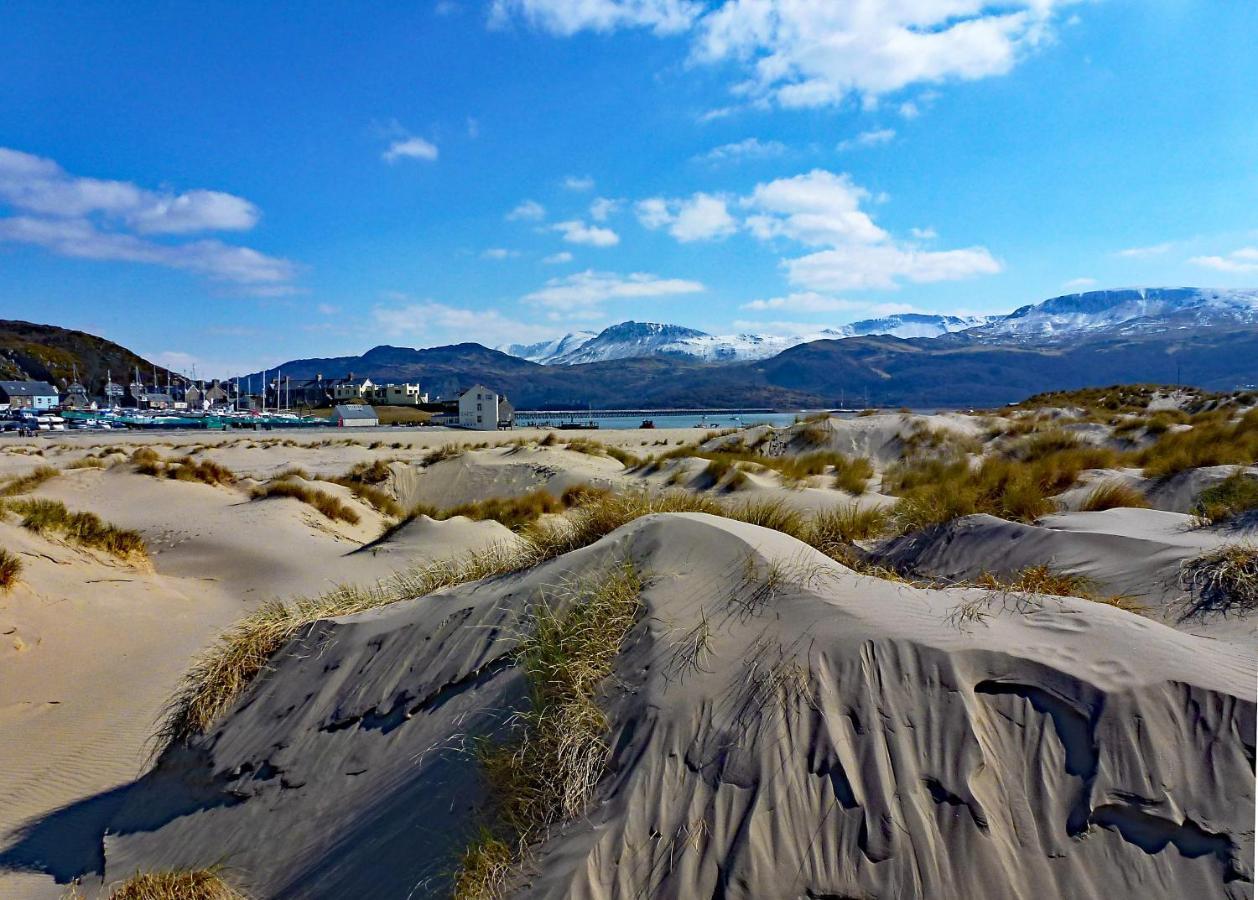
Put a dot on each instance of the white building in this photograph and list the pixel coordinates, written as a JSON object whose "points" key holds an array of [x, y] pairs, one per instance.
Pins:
{"points": [[483, 410], [355, 416], [398, 394]]}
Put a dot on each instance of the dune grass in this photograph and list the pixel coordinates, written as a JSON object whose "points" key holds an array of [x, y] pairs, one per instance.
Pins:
{"points": [[546, 772], [1221, 581], [852, 475], [1212, 440], [223, 672], [88, 462], [82, 528], [10, 569], [176, 884], [1232, 497], [1043, 579], [24, 484], [1114, 495], [329, 506], [205, 471]]}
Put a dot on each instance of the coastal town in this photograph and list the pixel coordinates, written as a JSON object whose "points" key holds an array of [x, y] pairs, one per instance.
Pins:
{"points": [[269, 401]]}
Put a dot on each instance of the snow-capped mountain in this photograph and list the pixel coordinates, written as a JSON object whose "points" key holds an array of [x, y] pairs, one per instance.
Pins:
{"points": [[548, 351], [1128, 310], [634, 339], [630, 339]]}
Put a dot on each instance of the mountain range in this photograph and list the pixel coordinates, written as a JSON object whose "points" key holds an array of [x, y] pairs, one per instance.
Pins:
{"points": [[633, 339], [1208, 338]]}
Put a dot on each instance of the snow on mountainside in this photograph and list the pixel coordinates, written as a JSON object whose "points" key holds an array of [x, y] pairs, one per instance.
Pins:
{"points": [[634, 339], [1125, 311], [548, 351]]}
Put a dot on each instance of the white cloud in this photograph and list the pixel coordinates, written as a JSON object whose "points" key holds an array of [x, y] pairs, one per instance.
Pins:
{"points": [[808, 53], [1079, 284], [81, 238], [567, 17], [924, 234], [700, 217], [816, 54], [750, 148], [602, 208], [39, 185], [807, 301], [589, 288], [818, 208], [327, 309], [410, 148], [499, 253], [882, 265], [1145, 252], [909, 110], [578, 183], [871, 138], [555, 259], [1242, 261], [528, 210], [432, 323], [577, 232], [822, 209]]}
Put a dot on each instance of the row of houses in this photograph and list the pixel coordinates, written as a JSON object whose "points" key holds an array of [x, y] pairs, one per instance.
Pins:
{"points": [[477, 408]]}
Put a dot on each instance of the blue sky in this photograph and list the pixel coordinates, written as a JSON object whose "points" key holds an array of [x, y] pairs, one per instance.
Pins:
{"points": [[232, 185]]}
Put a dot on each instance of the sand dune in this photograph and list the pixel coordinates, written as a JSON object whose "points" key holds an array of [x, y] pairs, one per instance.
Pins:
{"points": [[843, 736]]}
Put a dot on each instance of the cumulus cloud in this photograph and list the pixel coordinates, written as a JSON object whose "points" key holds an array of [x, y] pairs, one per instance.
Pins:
{"points": [[555, 259], [410, 148], [577, 232], [805, 301], [884, 265], [39, 185], [700, 217], [750, 148], [578, 183], [824, 209], [587, 289], [1145, 252], [1242, 261], [870, 138], [499, 253], [92, 218], [567, 17], [809, 54], [528, 211], [602, 208], [924, 234], [816, 208], [430, 323]]}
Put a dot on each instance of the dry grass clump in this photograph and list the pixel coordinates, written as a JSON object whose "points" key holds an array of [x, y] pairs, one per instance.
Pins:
{"points": [[222, 673], [362, 480], [1042, 579], [1224, 580], [852, 475], [375, 472], [1104, 402], [176, 884], [774, 514], [10, 569], [1230, 498], [206, 471], [88, 462], [922, 442], [331, 507], [546, 773], [1212, 440], [1114, 495], [844, 525], [82, 528], [594, 448], [24, 484]]}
